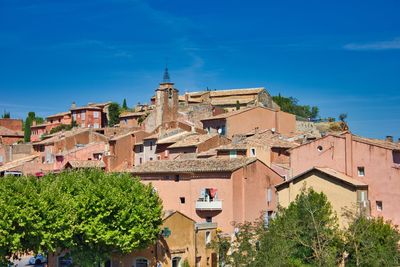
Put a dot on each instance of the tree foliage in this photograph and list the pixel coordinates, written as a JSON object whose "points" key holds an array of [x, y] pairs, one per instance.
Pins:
{"points": [[124, 105], [27, 126], [290, 105], [306, 233], [372, 242], [90, 213], [113, 113], [6, 115]]}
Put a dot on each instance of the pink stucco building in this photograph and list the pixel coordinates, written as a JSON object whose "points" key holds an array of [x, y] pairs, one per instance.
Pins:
{"points": [[371, 161], [225, 191]]}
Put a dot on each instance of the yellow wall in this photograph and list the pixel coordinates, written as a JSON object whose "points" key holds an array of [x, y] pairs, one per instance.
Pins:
{"points": [[181, 243], [340, 195]]}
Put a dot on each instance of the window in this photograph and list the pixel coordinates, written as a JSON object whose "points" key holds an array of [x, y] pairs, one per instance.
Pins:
{"points": [[269, 195], [222, 130], [361, 171], [141, 262], [177, 178], [183, 200], [176, 262], [379, 205], [140, 160], [96, 125], [232, 154], [166, 153], [74, 116], [208, 237], [1, 159], [95, 114], [209, 129], [252, 152], [151, 145]]}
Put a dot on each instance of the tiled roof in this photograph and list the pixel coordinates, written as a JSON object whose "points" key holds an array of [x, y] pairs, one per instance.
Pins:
{"points": [[40, 125], [61, 114], [264, 138], [193, 165], [193, 140], [132, 114], [8, 132], [377, 142], [174, 138], [332, 173], [78, 164], [15, 163], [228, 114], [86, 107], [61, 135], [233, 101], [239, 91]]}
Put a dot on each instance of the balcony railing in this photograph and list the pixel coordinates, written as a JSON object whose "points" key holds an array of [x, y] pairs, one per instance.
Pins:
{"points": [[203, 204]]}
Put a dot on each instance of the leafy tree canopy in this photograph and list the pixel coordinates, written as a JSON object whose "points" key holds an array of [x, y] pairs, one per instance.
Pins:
{"points": [[114, 111], [6, 115], [90, 213], [290, 105], [372, 242]]}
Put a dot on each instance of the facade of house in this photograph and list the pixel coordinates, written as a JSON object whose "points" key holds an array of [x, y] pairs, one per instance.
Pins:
{"points": [[88, 116], [371, 161], [343, 192], [186, 241], [122, 153], [226, 191], [9, 136], [247, 119], [131, 119], [12, 124], [229, 99], [182, 240]]}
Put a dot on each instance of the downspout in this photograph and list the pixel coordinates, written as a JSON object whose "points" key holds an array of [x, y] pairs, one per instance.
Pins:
{"points": [[195, 244]]}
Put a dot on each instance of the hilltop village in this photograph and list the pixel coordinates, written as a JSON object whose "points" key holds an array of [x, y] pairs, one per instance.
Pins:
{"points": [[215, 158]]}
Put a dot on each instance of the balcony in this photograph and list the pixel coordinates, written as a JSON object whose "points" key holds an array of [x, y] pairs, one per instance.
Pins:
{"points": [[208, 205], [206, 225]]}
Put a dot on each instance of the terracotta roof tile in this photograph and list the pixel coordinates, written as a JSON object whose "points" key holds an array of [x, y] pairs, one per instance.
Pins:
{"points": [[193, 140], [8, 132], [16, 163], [61, 114], [132, 114], [78, 164], [193, 165]]}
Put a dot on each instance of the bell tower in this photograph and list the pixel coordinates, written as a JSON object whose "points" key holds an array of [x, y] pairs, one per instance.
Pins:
{"points": [[167, 100]]}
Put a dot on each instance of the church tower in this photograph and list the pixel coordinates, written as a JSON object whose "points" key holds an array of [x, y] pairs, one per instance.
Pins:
{"points": [[167, 100]]}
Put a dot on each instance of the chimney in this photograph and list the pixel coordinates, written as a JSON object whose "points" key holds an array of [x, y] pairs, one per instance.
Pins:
{"points": [[186, 98], [389, 138], [273, 130], [73, 105]]}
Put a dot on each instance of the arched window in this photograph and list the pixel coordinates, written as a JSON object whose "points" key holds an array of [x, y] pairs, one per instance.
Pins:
{"points": [[141, 262], [176, 262]]}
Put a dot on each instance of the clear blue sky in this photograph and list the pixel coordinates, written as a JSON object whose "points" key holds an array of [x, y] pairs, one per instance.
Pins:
{"points": [[343, 56]]}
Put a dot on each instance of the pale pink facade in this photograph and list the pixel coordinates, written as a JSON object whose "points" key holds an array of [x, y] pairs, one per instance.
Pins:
{"points": [[245, 193], [374, 162], [248, 119]]}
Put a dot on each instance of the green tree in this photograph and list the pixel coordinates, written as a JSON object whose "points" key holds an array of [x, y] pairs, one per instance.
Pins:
{"points": [[6, 115], [306, 233], [27, 126], [124, 105], [91, 213], [290, 105], [237, 105], [113, 113], [372, 242]]}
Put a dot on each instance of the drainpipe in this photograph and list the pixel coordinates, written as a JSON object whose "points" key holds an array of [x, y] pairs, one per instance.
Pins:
{"points": [[349, 153], [195, 244]]}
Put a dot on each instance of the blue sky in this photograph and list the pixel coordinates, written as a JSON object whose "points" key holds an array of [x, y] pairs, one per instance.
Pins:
{"points": [[343, 56]]}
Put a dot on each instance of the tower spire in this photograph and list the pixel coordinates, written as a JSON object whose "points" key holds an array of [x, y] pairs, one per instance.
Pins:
{"points": [[166, 78]]}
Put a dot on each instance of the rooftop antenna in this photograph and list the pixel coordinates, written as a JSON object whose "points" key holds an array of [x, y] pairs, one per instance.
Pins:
{"points": [[166, 78]]}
